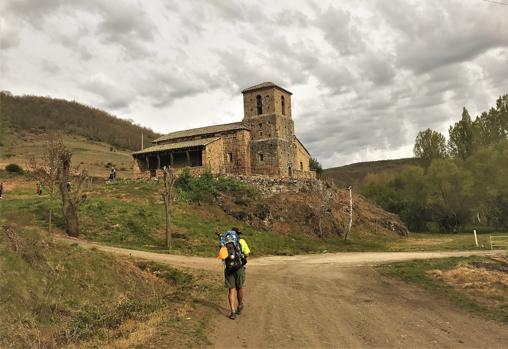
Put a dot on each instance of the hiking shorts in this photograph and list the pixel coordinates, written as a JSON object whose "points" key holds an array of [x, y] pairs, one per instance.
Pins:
{"points": [[235, 279]]}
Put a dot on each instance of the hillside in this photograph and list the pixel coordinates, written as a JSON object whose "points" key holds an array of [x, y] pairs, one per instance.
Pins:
{"points": [[129, 213], [354, 174], [23, 113], [57, 295], [96, 157]]}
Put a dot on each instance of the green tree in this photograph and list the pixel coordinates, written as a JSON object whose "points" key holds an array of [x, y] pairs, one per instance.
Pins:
{"points": [[430, 145], [489, 168], [492, 127], [449, 194], [315, 166], [461, 137]]}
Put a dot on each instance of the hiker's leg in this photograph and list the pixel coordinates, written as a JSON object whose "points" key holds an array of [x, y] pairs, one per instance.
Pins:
{"points": [[239, 292], [232, 299]]}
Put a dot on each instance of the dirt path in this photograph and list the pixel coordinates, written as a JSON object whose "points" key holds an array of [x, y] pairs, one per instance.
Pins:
{"points": [[337, 300]]}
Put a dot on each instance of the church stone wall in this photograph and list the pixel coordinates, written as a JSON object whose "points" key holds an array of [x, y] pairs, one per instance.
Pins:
{"points": [[237, 153], [213, 158], [302, 158], [264, 157], [278, 105]]}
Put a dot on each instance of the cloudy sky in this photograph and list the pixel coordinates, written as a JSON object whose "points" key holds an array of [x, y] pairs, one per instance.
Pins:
{"points": [[366, 76]]}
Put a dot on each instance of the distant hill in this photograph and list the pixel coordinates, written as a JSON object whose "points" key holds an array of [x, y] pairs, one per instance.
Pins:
{"points": [[354, 174], [42, 113]]}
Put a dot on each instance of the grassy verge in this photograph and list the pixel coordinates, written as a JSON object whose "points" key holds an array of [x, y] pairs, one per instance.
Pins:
{"points": [[53, 294], [470, 291]]}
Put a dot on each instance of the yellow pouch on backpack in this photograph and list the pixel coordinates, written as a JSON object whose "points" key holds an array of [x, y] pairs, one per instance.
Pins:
{"points": [[245, 247], [223, 253]]}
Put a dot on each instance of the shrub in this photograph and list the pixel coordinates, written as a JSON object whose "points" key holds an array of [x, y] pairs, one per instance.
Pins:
{"points": [[204, 188], [14, 168]]}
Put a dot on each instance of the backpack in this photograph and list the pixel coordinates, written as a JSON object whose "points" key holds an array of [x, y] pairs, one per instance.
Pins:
{"points": [[235, 259]]}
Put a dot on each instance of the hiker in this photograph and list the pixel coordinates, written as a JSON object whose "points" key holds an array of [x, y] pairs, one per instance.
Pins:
{"points": [[113, 171], [1, 189], [38, 189], [68, 186], [234, 252]]}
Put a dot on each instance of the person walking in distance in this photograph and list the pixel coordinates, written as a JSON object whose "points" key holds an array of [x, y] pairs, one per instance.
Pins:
{"points": [[38, 189], [1, 189], [234, 252]]}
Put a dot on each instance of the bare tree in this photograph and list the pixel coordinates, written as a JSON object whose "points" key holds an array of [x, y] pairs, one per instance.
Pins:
{"points": [[350, 212], [45, 172], [71, 197], [54, 171], [168, 196]]}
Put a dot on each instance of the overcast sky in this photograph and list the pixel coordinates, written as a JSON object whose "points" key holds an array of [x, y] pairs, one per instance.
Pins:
{"points": [[366, 76]]}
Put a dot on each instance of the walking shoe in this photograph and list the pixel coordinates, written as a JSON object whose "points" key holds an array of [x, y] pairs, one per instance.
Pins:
{"points": [[232, 316], [239, 310]]}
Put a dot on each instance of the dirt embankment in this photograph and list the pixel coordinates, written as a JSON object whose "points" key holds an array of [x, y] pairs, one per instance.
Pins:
{"points": [[312, 207]]}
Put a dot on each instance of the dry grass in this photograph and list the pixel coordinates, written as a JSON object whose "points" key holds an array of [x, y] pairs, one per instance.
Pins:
{"points": [[90, 155], [489, 287]]}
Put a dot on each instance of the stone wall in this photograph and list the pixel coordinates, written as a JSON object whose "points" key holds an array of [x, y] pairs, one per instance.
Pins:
{"points": [[270, 185], [271, 102], [302, 157], [237, 153], [278, 105], [213, 157]]}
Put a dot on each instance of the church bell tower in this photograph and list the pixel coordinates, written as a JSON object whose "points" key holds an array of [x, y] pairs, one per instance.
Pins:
{"points": [[267, 113]]}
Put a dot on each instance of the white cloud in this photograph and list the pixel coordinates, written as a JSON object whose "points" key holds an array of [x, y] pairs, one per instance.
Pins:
{"points": [[366, 76]]}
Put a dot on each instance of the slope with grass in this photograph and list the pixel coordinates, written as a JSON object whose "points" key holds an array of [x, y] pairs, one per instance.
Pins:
{"points": [[54, 294], [96, 157], [354, 174], [23, 113], [129, 213]]}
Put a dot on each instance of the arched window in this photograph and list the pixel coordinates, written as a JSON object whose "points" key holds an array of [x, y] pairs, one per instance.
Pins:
{"points": [[283, 104], [259, 103]]}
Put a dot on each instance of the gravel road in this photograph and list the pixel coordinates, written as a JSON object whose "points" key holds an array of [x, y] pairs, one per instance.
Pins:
{"points": [[337, 300]]}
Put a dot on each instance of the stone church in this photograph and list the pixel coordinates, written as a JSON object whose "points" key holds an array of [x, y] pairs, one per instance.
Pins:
{"points": [[263, 143]]}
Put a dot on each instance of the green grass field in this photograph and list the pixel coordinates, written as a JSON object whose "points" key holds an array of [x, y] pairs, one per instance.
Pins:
{"points": [[131, 214]]}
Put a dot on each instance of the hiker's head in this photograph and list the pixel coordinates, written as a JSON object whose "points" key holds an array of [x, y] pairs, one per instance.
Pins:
{"points": [[235, 229]]}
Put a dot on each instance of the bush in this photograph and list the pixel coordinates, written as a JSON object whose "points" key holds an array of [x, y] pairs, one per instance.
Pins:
{"points": [[14, 168], [204, 188]]}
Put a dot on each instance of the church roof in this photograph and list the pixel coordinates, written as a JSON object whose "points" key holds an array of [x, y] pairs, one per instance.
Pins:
{"points": [[264, 85], [177, 145], [201, 131]]}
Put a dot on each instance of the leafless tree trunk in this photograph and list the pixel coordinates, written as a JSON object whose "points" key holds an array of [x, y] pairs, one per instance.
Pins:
{"points": [[71, 198], [46, 172], [55, 171], [350, 212], [168, 196]]}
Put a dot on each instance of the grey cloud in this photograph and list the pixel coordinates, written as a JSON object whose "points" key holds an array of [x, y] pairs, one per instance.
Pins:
{"points": [[432, 34], [9, 36], [32, 11], [162, 86], [377, 67], [50, 67], [292, 17], [340, 31], [125, 24], [113, 93]]}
